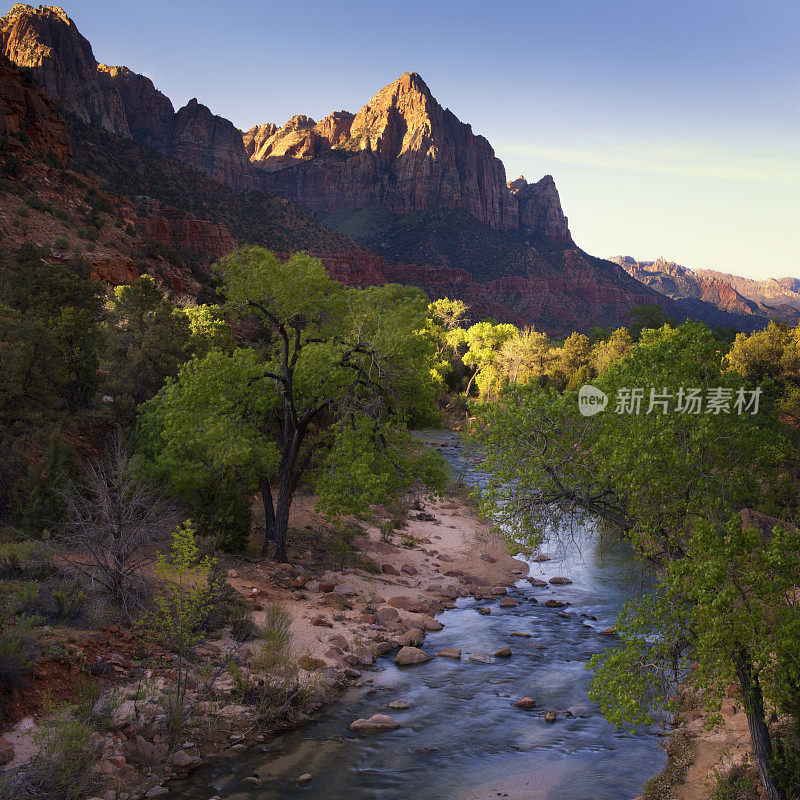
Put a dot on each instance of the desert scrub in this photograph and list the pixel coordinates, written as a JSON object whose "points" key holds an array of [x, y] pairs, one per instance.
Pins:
{"points": [[17, 648], [737, 784], [278, 687], [67, 751], [680, 755]]}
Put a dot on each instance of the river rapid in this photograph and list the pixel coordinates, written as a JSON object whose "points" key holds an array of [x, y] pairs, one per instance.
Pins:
{"points": [[462, 736]]}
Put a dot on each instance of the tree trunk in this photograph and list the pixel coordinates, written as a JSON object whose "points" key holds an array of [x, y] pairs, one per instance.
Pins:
{"points": [[269, 515], [759, 732], [282, 514], [469, 385]]}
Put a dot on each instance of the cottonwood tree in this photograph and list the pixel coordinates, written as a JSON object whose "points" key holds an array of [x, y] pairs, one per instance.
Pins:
{"points": [[671, 484], [323, 393]]}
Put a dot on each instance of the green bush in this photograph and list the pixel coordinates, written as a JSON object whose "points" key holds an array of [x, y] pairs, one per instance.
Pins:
{"points": [[62, 769], [737, 784], [17, 646], [223, 513]]}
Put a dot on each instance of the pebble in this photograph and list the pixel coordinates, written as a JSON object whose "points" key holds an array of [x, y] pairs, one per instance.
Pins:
{"points": [[507, 602], [526, 703], [399, 705], [521, 634], [450, 652], [504, 652]]}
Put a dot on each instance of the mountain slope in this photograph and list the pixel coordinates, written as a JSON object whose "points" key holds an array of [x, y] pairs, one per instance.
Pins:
{"points": [[683, 283], [776, 292]]}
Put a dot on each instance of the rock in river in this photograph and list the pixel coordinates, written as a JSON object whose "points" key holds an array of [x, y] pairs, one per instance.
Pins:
{"points": [[408, 656], [377, 723]]}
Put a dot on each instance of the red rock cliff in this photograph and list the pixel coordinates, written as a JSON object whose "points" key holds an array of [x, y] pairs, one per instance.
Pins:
{"points": [[46, 41], [25, 106]]}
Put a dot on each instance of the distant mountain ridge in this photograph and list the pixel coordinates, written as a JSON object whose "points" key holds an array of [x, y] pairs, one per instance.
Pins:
{"points": [[685, 283]]}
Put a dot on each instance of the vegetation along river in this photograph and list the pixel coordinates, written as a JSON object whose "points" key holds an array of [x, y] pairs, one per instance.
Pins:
{"points": [[462, 736]]}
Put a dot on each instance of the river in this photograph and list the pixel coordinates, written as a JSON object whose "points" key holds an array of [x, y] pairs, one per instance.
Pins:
{"points": [[462, 736]]}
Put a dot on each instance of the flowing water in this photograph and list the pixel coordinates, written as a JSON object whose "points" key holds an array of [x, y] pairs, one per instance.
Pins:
{"points": [[462, 736]]}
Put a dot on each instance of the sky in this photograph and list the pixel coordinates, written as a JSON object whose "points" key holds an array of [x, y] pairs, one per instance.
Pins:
{"points": [[671, 128]]}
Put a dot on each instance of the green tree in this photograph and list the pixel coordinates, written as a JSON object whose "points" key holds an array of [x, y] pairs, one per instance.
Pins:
{"points": [[50, 316], [323, 395], [148, 339], [610, 349], [670, 483], [483, 342], [647, 316]]}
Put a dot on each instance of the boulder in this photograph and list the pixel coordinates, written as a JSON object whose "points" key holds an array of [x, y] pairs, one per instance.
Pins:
{"points": [[550, 716], [409, 656], [554, 603], [526, 703], [507, 602], [540, 558], [304, 778], [413, 638], [537, 582], [449, 652], [504, 652], [560, 580], [607, 632], [521, 634], [377, 723], [388, 569], [427, 623], [386, 615], [327, 586], [409, 569], [399, 705], [411, 604]]}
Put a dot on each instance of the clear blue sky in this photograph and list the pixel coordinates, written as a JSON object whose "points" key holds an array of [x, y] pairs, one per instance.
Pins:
{"points": [[672, 128]]}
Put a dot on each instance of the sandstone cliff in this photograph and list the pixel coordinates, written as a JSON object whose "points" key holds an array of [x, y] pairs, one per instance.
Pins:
{"points": [[26, 112], [46, 41], [404, 152]]}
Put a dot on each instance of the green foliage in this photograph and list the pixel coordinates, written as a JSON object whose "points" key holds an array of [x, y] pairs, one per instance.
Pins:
{"points": [[723, 607], [181, 608], [222, 512], [324, 393], [46, 482], [736, 785], [149, 338], [62, 768], [17, 647], [49, 333], [647, 316]]}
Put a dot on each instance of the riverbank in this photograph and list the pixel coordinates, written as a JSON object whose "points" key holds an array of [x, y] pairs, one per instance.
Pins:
{"points": [[700, 755], [395, 575]]}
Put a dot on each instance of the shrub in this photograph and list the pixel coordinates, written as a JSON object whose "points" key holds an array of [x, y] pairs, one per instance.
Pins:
{"points": [[61, 243], [180, 610], [737, 784], [222, 511], [17, 645], [113, 519], [62, 769]]}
